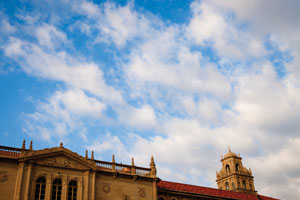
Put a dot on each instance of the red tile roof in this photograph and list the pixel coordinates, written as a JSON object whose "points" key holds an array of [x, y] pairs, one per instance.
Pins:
{"points": [[209, 191]]}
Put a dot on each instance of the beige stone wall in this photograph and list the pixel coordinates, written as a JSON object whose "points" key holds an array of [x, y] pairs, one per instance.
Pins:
{"points": [[8, 176], [121, 188]]}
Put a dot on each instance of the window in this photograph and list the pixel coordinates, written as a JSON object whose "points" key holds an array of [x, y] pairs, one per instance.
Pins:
{"points": [[250, 185], [232, 184], [40, 189], [244, 184], [56, 190], [239, 185], [161, 198], [227, 185], [227, 168], [237, 167], [72, 190]]}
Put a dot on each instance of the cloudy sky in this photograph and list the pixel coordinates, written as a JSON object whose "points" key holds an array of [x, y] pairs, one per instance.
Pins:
{"points": [[180, 80]]}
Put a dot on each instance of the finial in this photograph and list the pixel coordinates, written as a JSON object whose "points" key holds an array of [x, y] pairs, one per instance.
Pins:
{"points": [[23, 145], [152, 167], [61, 145], [132, 161], [221, 157], [229, 149], [239, 155], [92, 157], [30, 146], [86, 154], [152, 163], [113, 158]]}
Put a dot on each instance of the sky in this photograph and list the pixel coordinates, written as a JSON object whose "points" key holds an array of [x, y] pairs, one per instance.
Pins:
{"points": [[179, 80]]}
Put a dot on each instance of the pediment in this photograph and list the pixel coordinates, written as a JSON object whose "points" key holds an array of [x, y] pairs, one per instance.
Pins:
{"points": [[58, 157]]}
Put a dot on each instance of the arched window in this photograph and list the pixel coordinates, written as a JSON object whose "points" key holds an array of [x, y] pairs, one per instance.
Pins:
{"points": [[40, 188], [239, 185], [161, 198], [72, 190], [237, 167], [227, 185], [244, 184], [56, 190], [227, 168], [250, 185], [233, 186]]}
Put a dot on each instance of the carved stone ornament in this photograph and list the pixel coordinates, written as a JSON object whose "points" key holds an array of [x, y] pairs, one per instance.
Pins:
{"points": [[142, 192], [3, 176], [106, 187], [60, 162]]}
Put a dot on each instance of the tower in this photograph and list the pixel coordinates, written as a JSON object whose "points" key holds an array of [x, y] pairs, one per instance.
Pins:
{"points": [[234, 176]]}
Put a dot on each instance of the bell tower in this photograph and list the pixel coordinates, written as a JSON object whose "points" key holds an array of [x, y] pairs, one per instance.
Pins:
{"points": [[234, 176]]}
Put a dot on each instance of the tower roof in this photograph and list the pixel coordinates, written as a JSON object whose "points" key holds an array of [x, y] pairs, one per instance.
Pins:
{"points": [[230, 154]]}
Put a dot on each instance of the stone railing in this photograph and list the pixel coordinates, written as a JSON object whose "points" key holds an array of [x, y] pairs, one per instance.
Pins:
{"points": [[225, 174], [122, 168], [10, 152]]}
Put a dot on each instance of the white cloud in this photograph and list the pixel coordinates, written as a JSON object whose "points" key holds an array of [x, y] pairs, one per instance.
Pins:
{"points": [[60, 66], [49, 36], [210, 25], [117, 24], [6, 27], [63, 114], [143, 117]]}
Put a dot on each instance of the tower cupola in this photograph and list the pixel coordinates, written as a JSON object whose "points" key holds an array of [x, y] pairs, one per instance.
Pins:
{"points": [[234, 176]]}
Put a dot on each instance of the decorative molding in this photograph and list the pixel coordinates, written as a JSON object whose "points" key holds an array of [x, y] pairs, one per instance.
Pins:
{"points": [[142, 192], [106, 187], [3, 176]]}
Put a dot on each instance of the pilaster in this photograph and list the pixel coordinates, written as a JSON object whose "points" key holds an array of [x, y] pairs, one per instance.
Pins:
{"points": [[19, 180], [48, 186], [28, 181], [86, 185]]}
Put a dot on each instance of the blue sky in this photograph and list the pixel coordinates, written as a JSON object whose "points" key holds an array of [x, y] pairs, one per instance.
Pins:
{"points": [[180, 80]]}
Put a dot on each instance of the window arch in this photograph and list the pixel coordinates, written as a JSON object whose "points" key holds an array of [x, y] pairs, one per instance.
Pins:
{"points": [[56, 190], [237, 167], [72, 190], [244, 184], [227, 185], [227, 168], [161, 198], [40, 188], [232, 185]]}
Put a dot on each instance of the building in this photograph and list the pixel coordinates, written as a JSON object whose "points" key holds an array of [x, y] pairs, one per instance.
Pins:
{"points": [[59, 174]]}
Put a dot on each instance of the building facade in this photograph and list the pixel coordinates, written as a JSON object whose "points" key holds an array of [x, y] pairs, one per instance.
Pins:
{"points": [[59, 174]]}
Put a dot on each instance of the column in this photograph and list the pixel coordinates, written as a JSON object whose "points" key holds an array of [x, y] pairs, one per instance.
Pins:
{"points": [[48, 186], [64, 192], [80, 188], [154, 189], [28, 182], [86, 185], [18, 186], [93, 185]]}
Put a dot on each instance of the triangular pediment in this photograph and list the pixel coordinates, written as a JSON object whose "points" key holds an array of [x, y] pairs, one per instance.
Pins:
{"points": [[58, 157]]}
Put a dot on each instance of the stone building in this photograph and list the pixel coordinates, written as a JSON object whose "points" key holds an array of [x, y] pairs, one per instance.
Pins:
{"points": [[59, 174]]}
